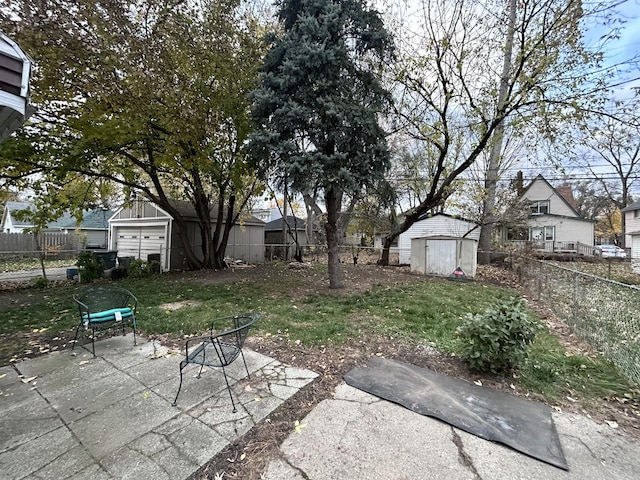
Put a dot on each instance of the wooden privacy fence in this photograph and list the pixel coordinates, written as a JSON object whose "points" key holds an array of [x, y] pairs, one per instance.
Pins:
{"points": [[53, 244]]}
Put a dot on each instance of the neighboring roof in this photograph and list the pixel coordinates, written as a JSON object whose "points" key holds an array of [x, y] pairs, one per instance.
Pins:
{"points": [[426, 216], [294, 222], [633, 206], [566, 192], [555, 190], [186, 211], [444, 237], [91, 219], [11, 207], [555, 215], [97, 219]]}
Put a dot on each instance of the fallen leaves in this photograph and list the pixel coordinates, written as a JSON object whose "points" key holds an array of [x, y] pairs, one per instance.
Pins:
{"points": [[299, 426]]}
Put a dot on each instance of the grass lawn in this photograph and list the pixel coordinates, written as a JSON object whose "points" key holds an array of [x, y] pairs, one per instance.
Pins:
{"points": [[301, 311]]}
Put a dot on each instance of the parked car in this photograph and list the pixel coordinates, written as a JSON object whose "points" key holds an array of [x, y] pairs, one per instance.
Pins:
{"points": [[610, 251]]}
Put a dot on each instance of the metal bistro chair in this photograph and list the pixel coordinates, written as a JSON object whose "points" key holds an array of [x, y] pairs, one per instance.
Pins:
{"points": [[105, 307], [219, 349]]}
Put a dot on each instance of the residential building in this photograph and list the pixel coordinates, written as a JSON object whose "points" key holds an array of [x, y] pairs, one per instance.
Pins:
{"points": [[554, 224]]}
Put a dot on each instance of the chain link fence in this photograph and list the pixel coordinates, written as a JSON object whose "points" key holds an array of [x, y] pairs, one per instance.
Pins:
{"points": [[602, 312], [18, 268]]}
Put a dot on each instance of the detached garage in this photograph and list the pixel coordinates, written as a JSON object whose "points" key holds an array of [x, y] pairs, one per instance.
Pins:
{"points": [[143, 229], [441, 255]]}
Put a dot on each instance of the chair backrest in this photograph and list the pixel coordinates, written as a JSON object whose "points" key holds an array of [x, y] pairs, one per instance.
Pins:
{"points": [[105, 298], [240, 325], [228, 344]]}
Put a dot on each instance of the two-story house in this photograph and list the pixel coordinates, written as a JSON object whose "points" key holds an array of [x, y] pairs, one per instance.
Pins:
{"points": [[554, 223]]}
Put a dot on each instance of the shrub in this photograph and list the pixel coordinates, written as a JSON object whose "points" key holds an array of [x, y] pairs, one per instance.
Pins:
{"points": [[40, 282], [138, 268], [498, 339], [90, 266]]}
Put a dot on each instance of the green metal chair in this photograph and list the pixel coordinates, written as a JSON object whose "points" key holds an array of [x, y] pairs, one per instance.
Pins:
{"points": [[219, 349], [105, 307]]}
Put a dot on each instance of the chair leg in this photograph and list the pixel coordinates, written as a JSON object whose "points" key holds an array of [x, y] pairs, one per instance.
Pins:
{"points": [[175, 400], [75, 339], [200, 371], [229, 389], [134, 330], [245, 364], [93, 341]]}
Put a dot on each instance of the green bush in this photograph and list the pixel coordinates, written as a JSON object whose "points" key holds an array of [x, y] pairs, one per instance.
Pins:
{"points": [[498, 339], [90, 267], [40, 282], [138, 268]]}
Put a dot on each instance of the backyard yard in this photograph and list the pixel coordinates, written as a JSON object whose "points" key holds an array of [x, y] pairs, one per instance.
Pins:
{"points": [[383, 311]]}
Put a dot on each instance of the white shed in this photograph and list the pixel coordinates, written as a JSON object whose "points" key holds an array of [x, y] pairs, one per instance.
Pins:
{"points": [[441, 255], [434, 225]]}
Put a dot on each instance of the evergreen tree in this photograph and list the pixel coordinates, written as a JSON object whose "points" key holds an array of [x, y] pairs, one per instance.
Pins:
{"points": [[316, 110]]}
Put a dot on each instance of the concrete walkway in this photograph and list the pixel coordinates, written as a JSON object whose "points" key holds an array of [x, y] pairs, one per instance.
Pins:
{"points": [[72, 416], [358, 436]]}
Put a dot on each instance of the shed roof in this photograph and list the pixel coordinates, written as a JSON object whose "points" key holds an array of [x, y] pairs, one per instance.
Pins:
{"points": [[630, 208], [293, 221]]}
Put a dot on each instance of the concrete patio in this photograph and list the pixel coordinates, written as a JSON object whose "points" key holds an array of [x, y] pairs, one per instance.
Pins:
{"points": [[69, 415]]}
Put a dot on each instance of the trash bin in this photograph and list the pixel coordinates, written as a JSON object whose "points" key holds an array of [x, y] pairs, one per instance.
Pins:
{"points": [[108, 257], [153, 259], [124, 261], [72, 272]]}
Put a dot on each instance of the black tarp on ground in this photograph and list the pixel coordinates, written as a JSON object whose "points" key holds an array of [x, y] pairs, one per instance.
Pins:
{"points": [[521, 424]]}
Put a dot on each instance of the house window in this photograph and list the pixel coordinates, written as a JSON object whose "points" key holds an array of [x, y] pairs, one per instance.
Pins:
{"points": [[539, 207], [549, 234], [542, 234], [636, 214]]}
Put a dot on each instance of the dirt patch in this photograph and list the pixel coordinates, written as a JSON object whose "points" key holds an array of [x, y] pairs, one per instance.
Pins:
{"points": [[178, 305]]}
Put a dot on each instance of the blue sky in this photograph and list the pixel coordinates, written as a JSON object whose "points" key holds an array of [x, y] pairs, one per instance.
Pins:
{"points": [[627, 46]]}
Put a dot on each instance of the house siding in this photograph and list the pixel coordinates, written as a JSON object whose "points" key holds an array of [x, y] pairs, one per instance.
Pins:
{"points": [[566, 229], [540, 190], [632, 224]]}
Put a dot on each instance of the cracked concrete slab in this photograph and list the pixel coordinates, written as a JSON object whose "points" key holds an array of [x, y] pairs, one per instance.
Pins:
{"points": [[357, 435], [68, 415]]}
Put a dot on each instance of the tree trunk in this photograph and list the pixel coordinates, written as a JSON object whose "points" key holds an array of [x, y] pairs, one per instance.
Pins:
{"points": [[36, 237], [333, 200], [491, 179]]}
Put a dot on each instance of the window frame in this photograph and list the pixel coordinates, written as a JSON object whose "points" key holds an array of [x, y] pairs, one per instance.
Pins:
{"points": [[538, 207]]}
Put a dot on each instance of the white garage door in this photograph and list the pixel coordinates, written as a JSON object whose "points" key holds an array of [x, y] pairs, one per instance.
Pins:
{"points": [[141, 241]]}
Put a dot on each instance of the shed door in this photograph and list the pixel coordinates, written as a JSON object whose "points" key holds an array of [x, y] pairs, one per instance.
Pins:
{"points": [[441, 257], [141, 241]]}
